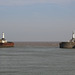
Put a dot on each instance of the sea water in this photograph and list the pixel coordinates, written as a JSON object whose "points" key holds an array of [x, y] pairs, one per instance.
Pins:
{"points": [[37, 61]]}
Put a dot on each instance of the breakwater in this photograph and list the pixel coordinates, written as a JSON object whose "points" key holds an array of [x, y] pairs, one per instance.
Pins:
{"points": [[34, 44], [67, 45]]}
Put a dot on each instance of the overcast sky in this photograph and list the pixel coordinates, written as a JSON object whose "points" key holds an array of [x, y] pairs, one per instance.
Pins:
{"points": [[37, 20]]}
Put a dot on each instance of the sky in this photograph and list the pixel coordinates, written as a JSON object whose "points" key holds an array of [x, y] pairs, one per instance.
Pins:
{"points": [[37, 20]]}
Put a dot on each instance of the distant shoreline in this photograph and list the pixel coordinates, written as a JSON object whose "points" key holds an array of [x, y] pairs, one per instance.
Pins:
{"points": [[45, 44]]}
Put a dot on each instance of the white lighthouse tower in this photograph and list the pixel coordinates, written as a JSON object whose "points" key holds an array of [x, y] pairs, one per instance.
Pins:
{"points": [[3, 35], [73, 35], [3, 39]]}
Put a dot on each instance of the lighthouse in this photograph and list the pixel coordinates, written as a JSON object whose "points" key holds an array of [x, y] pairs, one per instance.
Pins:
{"points": [[3, 39], [5, 43], [73, 35], [3, 35]]}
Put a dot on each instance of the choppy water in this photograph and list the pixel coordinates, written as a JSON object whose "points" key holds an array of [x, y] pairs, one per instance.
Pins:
{"points": [[37, 61]]}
